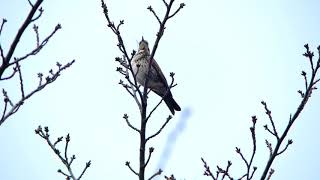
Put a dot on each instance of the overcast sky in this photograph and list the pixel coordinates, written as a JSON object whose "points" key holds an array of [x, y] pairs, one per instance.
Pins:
{"points": [[227, 55]]}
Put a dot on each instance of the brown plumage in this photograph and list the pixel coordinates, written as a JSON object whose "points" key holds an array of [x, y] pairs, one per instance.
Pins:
{"points": [[157, 81]]}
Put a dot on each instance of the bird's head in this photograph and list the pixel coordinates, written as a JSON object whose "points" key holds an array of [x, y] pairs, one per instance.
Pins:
{"points": [[143, 46]]}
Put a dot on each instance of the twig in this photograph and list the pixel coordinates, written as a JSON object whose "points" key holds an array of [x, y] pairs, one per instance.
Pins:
{"points": [[180, 7], [270, 174], [158, 173], [154, 13], [126, 117], [151, 149], [159, 131], [39, 15], [165, 3], [1, 27], [131, 169], [268, 112], [269, 146], [287, 145], [225, 172], [88, 164], [35, 28], [21, 80], [207, 171]]}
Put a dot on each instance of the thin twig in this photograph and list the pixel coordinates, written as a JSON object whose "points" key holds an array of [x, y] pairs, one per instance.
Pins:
{"points": [[126, 117], [158, 173], [270, 174], [21, 80], [159, 131], [39, 15], [131, 169], [154, 13], [151, 149], [180, 7], [287, 145], [268, 112], [207, 171], [88, 164], [1, 27]]}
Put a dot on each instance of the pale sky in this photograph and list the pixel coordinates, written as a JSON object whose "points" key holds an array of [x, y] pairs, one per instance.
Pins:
{"points": [[227, 55]]}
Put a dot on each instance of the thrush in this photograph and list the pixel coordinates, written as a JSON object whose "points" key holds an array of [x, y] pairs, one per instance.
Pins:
{"points": [[157, 81]]}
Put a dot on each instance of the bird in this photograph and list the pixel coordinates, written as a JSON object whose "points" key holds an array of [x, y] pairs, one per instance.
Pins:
{"points": [[157, 81]]}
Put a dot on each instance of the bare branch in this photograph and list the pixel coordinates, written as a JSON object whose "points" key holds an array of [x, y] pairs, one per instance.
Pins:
{"points": [[165, 3], [39, 15], [126, 117], [151, 149], [45, 135], [268, 112], [309, 55], [180, 7], [1, 27], [154, 13], [38, 48], [21, 80], [131, 169], [207, 171], [287, 145], [159, 131], [158, 173], [49, 80], [35, 28], [1, 54], [296, 114], [270, 174], [238, 150], [269, 146], [14, 44], [88, 164]]}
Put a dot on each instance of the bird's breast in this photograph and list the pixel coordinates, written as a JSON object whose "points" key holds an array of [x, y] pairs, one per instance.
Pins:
{"points": [[140, 69]]}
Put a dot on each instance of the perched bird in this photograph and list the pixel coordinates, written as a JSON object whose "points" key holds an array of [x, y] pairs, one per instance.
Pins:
{"points": [[157, 81]]}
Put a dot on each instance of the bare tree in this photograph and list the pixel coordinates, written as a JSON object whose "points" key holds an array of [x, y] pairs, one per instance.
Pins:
{"points": [[280, 147], [136, 92]]}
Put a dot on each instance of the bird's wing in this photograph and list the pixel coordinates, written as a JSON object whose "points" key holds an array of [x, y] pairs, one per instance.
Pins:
{"points": [[159, 73], [158, 82]]}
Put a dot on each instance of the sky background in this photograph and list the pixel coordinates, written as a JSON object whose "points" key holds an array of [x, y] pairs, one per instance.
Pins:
{"points": [[227, 55]]}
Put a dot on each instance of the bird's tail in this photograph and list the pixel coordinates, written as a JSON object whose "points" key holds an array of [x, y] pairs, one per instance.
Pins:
{"points": [[171, 103]]}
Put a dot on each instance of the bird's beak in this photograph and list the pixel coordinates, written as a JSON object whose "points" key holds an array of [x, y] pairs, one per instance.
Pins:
{"points": [[142, 38]]}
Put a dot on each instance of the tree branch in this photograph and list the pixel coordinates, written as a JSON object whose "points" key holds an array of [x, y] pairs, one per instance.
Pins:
{"points": [[49, 80], [14, 44], [45, 135], [301, 106]]}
